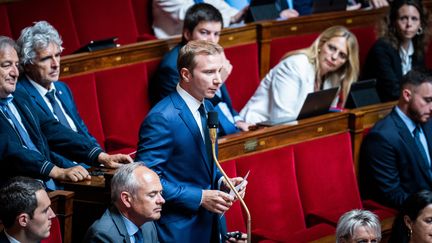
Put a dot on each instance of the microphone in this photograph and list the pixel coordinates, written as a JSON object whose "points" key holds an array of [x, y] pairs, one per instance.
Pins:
{"points": [[213, 124]]}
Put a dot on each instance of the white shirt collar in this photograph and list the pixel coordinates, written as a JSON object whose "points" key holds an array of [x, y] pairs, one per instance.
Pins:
{"points": [[192, 103], [41, 90], [10, 238]]}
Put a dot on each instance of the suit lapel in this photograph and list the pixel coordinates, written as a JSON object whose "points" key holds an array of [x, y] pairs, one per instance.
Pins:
{"points": [[407, 136], [31, 90], [187, 117], [118, 221]]}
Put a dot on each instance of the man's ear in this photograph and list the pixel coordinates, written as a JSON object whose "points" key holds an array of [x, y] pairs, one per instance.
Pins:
{"points": [[406, 94], [126, 198], [187, 34], [23, 219], [185, 74]]}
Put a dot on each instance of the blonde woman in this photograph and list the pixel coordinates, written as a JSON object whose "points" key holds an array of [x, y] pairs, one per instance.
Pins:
{"points": [[331, 61]]}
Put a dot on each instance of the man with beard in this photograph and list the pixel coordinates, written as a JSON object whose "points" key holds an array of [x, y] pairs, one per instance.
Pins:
{"points": [[395, 159]]}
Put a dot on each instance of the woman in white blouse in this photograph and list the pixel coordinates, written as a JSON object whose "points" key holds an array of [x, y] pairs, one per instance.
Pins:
{"points": [[331, 61]]}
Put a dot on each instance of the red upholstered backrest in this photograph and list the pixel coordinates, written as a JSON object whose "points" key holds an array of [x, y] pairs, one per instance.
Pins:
{"points": [[56, 12], [55, 232], [272, 195], [143, 16], [123, 101], [4, 21], [366, 37], [244, 78], [234, 216], [85, 95], [325, 175], [280, 46], [100, 19]]}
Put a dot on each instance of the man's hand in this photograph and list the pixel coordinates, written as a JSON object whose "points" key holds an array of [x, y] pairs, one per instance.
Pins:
{"points": [[115, 160], [243, 239], [379, 3], [354, 7], [288, 13], [216, 201], [243, 126], [239, 16], [235, 181], [76, 173]]}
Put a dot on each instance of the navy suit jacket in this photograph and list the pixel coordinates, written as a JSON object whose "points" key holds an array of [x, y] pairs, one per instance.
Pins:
{"points": [[111, 228], [47, 134], [3, 238], [166, 78], [384, 64], [391, 165], [64, 94], [171, 144]]}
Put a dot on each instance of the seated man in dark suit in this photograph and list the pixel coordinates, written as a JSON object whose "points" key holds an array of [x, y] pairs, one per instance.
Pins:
{"points": [[28, 135], [395, 158], [40, 48], [25, 211], [136, 194], [202, 22]]}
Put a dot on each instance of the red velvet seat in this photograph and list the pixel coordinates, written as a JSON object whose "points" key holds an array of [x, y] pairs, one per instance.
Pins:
{"points": [[85, 95], [366, 37], [4, 21], [56, 12], [244, 78], [327, 182], [55, 232], [123, 101], [100, 19], [143, 18], [280, 46], [234, 216], [273, 198]]}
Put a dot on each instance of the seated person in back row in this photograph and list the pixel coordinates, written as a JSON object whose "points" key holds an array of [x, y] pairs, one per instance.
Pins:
{"points": [[358, 226], [24, 211], [331, 61], [395, 157], [40, 49], [27, 135], [400, 49], [202, 22]]}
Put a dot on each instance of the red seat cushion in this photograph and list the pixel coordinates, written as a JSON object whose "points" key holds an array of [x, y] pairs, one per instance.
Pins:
{"points": [[244, 78], [56, 12], [84, 91], [123, 102], [100, 19], [272, 195], [143, 17]]}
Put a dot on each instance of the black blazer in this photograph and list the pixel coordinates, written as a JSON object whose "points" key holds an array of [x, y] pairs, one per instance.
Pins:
{"points": [[391, 165], [47, 134], [384, 64]]}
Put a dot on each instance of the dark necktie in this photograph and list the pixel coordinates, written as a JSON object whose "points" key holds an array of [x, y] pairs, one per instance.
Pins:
{"points": [[419, 144], [18, 127], [203, 115], [139, 236], [56, 108]]}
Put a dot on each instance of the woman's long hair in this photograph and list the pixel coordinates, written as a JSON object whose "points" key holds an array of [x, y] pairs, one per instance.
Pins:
{"points": [[348, 72]]}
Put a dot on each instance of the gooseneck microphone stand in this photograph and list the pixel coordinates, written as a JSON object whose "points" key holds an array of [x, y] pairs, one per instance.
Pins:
{"points": [[213, 123]]}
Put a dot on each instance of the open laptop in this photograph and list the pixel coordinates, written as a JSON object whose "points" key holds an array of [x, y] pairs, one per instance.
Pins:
{"points": [[317, 103], [362, 93], [323, 6], [262, 10]]}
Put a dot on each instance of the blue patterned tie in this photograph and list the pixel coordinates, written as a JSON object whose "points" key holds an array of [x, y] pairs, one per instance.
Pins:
{"points": [[56, 108], [139, 236], [22, 133]]}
